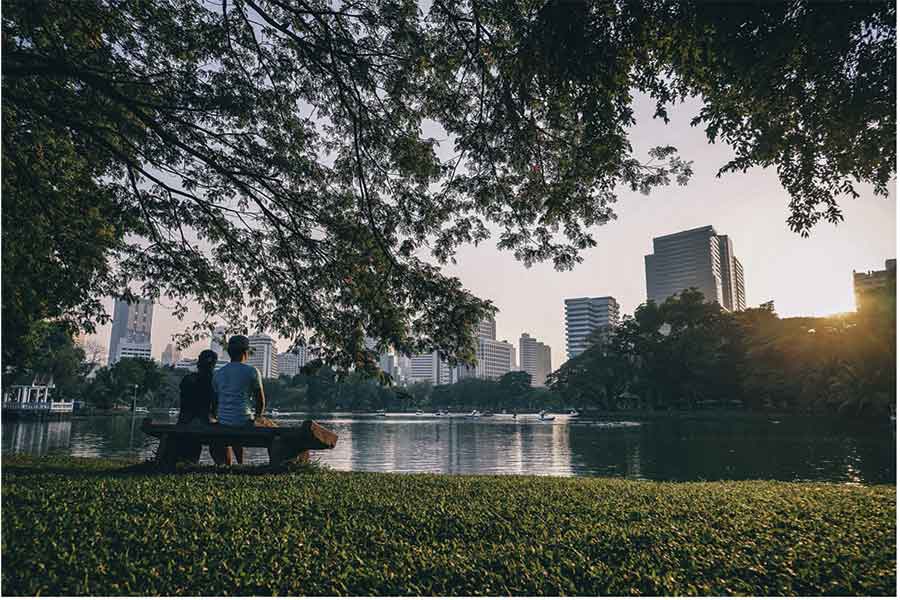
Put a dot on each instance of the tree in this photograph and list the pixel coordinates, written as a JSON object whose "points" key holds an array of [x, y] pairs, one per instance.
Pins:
{"points": [[53, 355], [595, 378], [514, 387], [282, 157]]}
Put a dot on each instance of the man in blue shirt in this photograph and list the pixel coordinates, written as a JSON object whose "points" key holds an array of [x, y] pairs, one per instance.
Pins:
{"points": [[239, 390]]}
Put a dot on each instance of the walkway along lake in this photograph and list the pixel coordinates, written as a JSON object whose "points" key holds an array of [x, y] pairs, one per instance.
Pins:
{"points": [[684, 448]]}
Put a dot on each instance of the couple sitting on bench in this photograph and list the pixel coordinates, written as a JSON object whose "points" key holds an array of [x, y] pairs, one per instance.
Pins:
{"points": [[232, 397]]}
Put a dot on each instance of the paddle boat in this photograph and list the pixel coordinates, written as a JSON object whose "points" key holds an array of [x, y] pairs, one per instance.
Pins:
{"points": [[173, 412], [573, 413], [419, 413], [380, 413], [543, 416], [474, 415], [141, 409]]}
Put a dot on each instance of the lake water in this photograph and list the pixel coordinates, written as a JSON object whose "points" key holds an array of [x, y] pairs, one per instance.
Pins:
{"points": [[678, 449]]}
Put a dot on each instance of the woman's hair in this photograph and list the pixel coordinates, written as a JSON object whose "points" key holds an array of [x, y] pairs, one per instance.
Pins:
{"points": [[206, 362]]}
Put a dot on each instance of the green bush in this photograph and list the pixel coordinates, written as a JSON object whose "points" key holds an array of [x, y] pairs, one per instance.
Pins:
{"points": [[89, 527]]}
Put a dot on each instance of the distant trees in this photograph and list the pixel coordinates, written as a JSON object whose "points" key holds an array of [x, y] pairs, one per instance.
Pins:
{"points": [[686, 353], [130, 378]]}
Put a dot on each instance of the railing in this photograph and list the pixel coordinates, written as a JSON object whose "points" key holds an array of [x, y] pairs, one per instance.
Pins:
{"points": [[54, 407]]}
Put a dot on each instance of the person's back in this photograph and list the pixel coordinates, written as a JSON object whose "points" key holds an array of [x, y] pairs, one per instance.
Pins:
{"points": [[237, 385]]}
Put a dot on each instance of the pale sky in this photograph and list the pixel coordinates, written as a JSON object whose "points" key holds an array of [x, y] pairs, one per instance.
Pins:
{"points": [[811, 276]]}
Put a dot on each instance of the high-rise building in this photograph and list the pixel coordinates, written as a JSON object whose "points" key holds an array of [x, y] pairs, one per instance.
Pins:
{"points": [[290, 363], [188, 364], [495, 358], [697, 258], [218, 343], [171, 355], [388, 364], [534, 359], [486, 328], [584, 316], [263, 352], [131, 327], [865, 283], [428, 368]]}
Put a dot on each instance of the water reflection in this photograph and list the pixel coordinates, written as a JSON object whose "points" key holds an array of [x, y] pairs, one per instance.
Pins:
{"points": [[27, 438], [677, 449]]}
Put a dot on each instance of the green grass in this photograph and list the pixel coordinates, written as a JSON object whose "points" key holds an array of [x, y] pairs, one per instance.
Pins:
{"points": [[74, 527]]}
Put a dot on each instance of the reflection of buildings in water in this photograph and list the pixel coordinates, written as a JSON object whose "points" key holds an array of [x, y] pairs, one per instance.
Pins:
{"points": [[515, 454], [853, 463], [633, 463], [560, 453], [36, 437]]}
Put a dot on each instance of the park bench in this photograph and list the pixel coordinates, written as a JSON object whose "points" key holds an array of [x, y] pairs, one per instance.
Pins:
{"points": [[285, 444]]}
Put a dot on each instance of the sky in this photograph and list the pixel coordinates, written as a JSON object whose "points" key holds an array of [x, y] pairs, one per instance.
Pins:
{"points": [[804, 276]]}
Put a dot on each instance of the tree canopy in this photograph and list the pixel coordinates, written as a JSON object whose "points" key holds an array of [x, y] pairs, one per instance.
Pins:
{"points": [[294, 162]]}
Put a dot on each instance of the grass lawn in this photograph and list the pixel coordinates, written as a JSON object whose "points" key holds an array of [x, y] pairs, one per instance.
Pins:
{"points": [[95, 527]]}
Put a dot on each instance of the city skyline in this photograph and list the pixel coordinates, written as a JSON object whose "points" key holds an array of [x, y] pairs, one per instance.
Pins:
{"points": [[804, 276]]}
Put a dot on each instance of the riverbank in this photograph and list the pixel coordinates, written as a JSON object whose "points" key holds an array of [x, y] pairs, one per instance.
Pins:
{"points": [[97, 527]]}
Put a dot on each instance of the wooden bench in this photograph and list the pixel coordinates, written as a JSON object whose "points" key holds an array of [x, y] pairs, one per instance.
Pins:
{"points": [[285, 444]]}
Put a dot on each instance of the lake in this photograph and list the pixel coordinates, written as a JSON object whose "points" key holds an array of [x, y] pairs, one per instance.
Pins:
{"points": [[683, 448]]}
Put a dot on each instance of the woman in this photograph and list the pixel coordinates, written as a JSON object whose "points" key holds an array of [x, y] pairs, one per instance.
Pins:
{"points": [[198, 405]]}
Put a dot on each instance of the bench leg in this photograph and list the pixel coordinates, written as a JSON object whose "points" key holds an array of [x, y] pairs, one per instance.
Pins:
{"points": [[282, 451], [167, 453]]}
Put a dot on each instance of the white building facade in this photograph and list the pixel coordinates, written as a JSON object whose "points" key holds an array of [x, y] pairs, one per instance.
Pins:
{"points": [[534, 359], [428, 368], [171, 355], [263, 355], [290, 363], [584, 316]]}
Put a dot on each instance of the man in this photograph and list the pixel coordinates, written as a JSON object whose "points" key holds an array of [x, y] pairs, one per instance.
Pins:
{"points": [[239, 390]]}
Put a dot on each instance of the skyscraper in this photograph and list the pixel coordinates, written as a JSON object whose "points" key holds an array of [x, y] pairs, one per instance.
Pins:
{"points": [[867, 284], [534, 359], [487, 328], [290, 363], [697, 258], [586, 315], [263, 355], [429, 368], [171, 355], [495, 358], [218, 343], [131, 327]]}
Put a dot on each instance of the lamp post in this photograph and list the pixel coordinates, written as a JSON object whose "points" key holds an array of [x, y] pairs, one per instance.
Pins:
{"points": [[134, 388]]}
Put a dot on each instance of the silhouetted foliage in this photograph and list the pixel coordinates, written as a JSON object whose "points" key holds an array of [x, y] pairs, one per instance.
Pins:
{"points": [[282, 156], [686, 353]]}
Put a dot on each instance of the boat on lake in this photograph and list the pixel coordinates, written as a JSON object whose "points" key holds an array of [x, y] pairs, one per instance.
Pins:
{"points": [[574, 413], [419, 413], [380, 413], [474, 415], [141, 409], [173, 412], [543, 416]]}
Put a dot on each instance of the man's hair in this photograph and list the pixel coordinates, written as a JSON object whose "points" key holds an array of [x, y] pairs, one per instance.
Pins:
{"points": [[236, 353]]}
